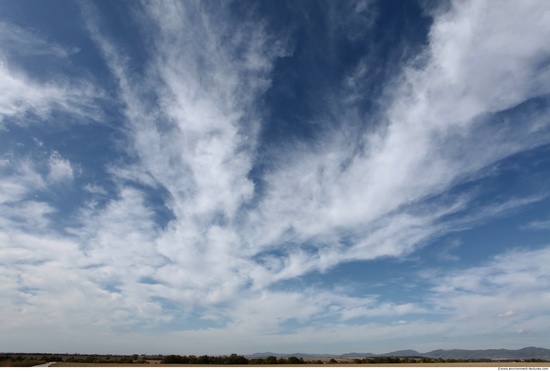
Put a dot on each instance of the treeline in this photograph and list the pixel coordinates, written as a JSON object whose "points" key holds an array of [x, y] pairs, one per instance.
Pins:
{"points": [[233, 359], [390, 360], [20, 361], [101, 359], [272, 360], [375, 360]]}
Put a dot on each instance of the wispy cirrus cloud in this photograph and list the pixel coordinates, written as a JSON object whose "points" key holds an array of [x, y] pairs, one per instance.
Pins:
{"points": [[195, 142], [19, 41], [26, 96], [199, 236], [353, 204], [31, 247], [537, 225], [26, 99], [435, 137], [506, 294]]}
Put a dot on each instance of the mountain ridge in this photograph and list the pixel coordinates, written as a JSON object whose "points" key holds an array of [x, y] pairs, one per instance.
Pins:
{"points": [[494, 354]]}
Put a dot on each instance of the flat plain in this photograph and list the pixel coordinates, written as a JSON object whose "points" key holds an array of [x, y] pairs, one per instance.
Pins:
{"points": [[526, 365]]}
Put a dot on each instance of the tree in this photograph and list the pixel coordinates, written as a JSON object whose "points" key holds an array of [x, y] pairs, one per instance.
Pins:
{"points": [[295, 360], [174, 359], [203, 360], [235, 359]]}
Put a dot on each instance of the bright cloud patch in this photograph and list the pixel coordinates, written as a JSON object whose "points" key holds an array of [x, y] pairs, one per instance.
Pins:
{"points": [[279, 177], [60, 168]]}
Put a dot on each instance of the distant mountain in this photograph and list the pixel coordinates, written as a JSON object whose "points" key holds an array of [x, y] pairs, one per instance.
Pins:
{"points": [[524, 353], [402, 353], [495, 354], [264, 354], [356, 355], [286, 355]]}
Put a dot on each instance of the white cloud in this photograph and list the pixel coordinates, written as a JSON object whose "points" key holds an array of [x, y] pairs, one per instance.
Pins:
{"points": [[60, 169], [198, 143], [19, 178], [224, 245], [507, 314], [537, 225], [440, 133], [24, 97], [17, 40], [506, 294], [95, 189]]}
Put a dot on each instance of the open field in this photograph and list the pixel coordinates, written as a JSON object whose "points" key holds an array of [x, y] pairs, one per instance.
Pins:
{"points": [[527, 365]]}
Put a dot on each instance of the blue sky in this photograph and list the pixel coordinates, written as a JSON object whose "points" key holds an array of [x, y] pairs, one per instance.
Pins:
{"points": [[290, 176]]}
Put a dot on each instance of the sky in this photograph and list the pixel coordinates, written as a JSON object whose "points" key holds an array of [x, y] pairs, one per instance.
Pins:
{"points": [[216, 177]]}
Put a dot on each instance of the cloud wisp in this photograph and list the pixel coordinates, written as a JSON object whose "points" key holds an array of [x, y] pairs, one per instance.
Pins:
{"points": [[27, 97], [441, 131]]}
